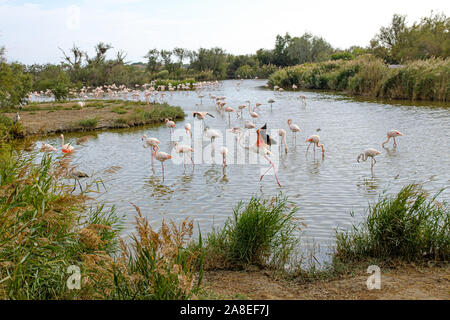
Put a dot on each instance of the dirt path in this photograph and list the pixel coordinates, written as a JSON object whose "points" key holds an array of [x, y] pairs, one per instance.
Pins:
{"points": [[405, 283]]}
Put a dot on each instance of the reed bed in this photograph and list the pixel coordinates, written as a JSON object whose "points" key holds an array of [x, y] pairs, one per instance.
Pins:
{"points": [[370, 76], [409, 226]]}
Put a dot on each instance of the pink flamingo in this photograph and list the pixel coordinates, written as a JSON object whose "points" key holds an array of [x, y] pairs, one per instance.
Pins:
{"points": [[185, 150], [229, 110], [369, 153], [315, 139], [150, 142], [294, 128], [47, 147], [187, 127], [170, 124], [161, 156], [224, 152], [391, 134], [261, 147], [282, 134], [253, 114], [66, 148]]}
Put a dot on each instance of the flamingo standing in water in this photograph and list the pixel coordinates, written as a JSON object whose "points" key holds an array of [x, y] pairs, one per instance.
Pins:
{"points": [[170, 124], [161, 156], [185, 150], [369, 153], [224, 152], [392, 134], [253, 114], [229, 110], [66, 148], [282, 134], [303, 98], [212, 134], [315, 139], [187, 127], [294, 128], [270, 101], [242, 107], [150, 142], [261, 147]]}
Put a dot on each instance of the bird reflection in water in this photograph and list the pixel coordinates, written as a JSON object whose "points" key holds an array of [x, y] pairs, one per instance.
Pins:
{"points": [[159, 190], [369, 185], [313, 166]]}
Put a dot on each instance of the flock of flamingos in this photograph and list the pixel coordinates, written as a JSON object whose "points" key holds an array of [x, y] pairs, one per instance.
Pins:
{"points": [[263, 141]]}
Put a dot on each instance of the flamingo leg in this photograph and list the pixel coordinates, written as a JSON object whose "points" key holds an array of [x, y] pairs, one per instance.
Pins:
{"points": [[272, 165], [308, 147], [162, 165], [395, 142]]}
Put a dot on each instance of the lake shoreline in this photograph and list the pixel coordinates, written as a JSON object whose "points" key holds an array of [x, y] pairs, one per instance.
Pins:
{"points": [[409, 281], [42, 119]]}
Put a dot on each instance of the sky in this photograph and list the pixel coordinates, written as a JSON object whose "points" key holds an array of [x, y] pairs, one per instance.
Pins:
{"points": [[32, 31]]}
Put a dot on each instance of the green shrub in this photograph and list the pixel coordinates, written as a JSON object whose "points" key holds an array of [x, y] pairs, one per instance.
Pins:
{"points": [[261, 232], [88, 123], [408, 226]]}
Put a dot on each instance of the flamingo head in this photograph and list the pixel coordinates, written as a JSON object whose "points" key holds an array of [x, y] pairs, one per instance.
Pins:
{"points": [[144, 137], [309, 140], [61, 136], [289, 121], [166, 120]]}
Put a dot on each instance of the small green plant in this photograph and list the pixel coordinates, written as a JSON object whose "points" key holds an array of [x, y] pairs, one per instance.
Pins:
{"points": [[408, 226], [88, 123], [119, 110]]}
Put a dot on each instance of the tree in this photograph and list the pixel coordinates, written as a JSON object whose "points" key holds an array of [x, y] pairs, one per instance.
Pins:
{"points": [[2, 54], [181, 54], [152, 60]]}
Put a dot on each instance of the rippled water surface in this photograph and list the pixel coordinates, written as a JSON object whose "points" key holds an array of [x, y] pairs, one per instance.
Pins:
{"points": [[325, 191]]}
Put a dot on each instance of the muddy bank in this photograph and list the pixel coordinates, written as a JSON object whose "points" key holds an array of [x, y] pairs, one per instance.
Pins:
{"points": [[53, 117], [406, 282]]}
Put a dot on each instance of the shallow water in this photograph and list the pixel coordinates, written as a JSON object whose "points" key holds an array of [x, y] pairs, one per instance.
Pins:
{"points": [[325, 191]]}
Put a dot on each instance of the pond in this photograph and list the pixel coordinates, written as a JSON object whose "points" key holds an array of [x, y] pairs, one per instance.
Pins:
{"points": [[325, 190]]}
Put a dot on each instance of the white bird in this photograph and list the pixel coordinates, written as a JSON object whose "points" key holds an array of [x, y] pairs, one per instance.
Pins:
{"points": [[185, 150], [161, 156], [249, 125], [212, 134], [392, 134], [369, 153], [224, 152], [150, 142], [282, 134], [294, 128], [81, 104], [47, 147], [315, 140], [187, 127]]}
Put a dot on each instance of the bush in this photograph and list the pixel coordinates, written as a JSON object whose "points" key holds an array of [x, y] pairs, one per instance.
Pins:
{"points": [[88, 123], [408, 226], [261, 232]]}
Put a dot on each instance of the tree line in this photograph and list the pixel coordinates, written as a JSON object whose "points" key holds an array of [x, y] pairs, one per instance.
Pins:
{"points": [[395, 44]]}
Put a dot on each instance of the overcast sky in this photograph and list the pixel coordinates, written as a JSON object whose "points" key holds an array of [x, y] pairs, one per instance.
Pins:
{"points": [[32, 31]]}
